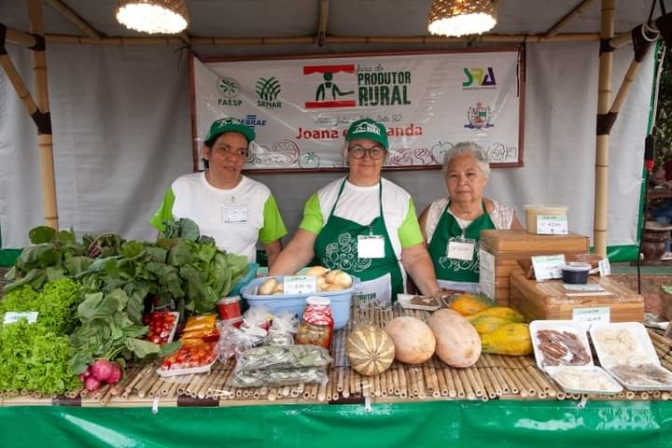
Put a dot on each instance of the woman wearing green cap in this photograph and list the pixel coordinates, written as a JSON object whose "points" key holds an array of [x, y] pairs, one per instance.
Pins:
{"points": [[363, 224], [231, 208], [452, 226]]}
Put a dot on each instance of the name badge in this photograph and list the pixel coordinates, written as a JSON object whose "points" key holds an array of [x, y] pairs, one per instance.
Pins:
{"points": [[370, 246], [231, 214], [461, 250]]}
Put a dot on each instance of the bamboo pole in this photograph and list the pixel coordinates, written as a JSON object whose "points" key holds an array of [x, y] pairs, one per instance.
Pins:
{"points": [[17, 83], [625, 86], [487, 383], [20, 38], [322, 21], [469, 390], [573, 14], [44, 139], [602, 143], [450, 383], [308, 40], [74, 18]]}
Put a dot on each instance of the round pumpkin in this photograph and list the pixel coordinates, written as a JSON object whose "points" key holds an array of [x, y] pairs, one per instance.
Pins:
{"points": [[414, 342], [457, 341], [370, 350]]}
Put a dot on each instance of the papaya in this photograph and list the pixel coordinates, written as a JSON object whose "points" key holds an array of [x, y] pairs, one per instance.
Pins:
{"points": [[511, 339], [502, 312], [468, 304], [487, 324]]}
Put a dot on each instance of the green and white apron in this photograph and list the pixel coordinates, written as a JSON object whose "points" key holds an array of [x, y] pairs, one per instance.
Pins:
{"points": [[454, 273], [336, 247]]}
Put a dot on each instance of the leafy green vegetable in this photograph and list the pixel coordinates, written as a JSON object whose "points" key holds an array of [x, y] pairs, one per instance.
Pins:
{"points": [[55, 304], [35, 358], [120, 280]]}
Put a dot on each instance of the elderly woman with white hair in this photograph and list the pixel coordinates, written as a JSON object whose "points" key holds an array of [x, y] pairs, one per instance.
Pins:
{"points": [[452, 226]]}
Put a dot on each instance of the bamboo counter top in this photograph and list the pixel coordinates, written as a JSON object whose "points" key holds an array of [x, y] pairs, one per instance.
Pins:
{"points": [[492, 377]]}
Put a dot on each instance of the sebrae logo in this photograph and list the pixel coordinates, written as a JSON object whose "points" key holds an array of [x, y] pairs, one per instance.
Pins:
{"points": [[479, 78], [268, 90], [252, 121], [229, 88]]}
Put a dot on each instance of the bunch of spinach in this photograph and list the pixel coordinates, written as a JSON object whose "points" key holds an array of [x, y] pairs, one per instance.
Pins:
{"points": [[107, 331], [55, 254]]}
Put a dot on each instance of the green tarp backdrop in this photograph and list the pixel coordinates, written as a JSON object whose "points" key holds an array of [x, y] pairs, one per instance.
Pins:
{"points": [[496, 423]]}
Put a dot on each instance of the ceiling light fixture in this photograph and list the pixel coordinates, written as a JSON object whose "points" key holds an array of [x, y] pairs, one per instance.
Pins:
{"points": [[461, 17], [153, 16]]}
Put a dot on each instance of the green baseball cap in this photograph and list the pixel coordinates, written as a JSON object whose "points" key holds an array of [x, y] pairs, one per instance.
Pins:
{"points": [[370, 129], [228, 125]]}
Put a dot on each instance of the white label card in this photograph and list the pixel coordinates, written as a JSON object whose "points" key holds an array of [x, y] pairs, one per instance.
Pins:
{"points": [[300, 284], [370, 246], [552, 225], [589, 316], [461, 250], [14, 316], [232, 214], [547, 267], [486, 279], [604, 267]]}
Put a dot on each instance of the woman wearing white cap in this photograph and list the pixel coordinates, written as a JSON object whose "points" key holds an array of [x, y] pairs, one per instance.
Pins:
{"points": [[363, 224], [231, 208]]}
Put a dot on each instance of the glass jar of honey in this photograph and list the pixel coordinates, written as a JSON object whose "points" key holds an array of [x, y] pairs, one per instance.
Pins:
{"points": [[317, 324]]}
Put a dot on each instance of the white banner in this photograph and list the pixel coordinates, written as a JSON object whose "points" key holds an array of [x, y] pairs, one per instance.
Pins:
{"points": [[301, 108]]}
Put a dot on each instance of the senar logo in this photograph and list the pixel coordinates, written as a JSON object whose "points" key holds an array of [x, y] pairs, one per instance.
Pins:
{"points": [[268, 91], [479, 78]]}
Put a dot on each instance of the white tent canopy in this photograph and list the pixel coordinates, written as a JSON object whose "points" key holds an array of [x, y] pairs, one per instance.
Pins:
{"points": [[121, 114]]}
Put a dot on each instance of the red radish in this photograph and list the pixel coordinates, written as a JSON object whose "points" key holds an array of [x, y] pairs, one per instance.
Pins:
{"points": [[91, 383], [101, 369], [116, 374]]}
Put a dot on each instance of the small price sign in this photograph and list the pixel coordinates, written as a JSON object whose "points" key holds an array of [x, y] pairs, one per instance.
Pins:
{"points": [[547, 267], [552, 225], [300, 284], [14, 316], [589, 316]]}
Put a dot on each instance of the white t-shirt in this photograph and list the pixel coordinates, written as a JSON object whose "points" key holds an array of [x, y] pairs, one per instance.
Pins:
{"points": [[362, 205], [235, 218]]}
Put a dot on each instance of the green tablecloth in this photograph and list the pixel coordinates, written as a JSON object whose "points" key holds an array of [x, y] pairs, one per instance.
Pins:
{"points": [[491, 424]]}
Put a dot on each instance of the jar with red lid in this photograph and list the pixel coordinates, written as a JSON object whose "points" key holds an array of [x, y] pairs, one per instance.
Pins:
{"points": [[317, 324]]}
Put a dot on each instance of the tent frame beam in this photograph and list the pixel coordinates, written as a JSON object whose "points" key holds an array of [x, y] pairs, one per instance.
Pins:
{"points": [[573, 14], [73, 17]]}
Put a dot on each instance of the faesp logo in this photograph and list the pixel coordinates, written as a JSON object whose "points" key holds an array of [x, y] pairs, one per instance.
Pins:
{"points": [[479, 78], [268, 90], [229, 89], [479, 117]]}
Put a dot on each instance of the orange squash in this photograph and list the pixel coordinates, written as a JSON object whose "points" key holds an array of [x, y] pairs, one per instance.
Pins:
{"points": [[457, 342], [467, 304], [414, 342], [370, 350]]}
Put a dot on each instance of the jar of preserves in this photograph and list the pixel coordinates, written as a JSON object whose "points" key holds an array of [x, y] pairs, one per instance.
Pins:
{"points": [[317, 324]]}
